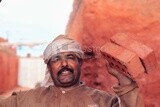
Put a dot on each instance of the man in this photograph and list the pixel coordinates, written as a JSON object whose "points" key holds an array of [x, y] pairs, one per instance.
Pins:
{"points": [[63, 57]]}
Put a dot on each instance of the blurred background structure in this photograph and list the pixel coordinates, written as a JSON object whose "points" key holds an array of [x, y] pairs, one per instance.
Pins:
{"points": [[8, 67], [25, 23], [92, 23]]}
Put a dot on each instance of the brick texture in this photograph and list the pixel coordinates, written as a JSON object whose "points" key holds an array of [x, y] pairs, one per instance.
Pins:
{"points": [[94, 22], [122, 59], [145, 53]]}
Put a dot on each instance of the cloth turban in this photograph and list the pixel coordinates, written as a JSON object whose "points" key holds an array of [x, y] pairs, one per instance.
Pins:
{"points": [[60, 44]]}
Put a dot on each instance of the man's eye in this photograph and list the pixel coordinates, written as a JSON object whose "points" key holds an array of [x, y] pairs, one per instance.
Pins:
{"points": [[71, 57], [54, 60]]}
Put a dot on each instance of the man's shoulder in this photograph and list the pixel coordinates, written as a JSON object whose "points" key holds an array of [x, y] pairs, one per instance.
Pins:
{"points": [[31, 92], [97, 92]]}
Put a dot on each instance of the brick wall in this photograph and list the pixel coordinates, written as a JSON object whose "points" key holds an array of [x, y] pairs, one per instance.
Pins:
{"points": [[8, 69]]}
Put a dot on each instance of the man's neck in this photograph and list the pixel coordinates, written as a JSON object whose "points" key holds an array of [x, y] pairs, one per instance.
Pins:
{"points": [[70, 87]]}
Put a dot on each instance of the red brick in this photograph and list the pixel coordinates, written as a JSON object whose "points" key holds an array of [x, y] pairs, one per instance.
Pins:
{"points": [[145, 53], [122, 59]]}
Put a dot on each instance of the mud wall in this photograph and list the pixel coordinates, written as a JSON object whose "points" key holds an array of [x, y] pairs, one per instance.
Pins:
{"points": [[8, 68], [93, 22]]}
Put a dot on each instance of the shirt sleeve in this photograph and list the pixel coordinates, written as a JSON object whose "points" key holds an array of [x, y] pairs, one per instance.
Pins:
{"points": [[129, 95], [9, 102]]}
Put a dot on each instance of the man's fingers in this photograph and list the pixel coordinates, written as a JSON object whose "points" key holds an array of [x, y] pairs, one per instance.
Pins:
{"points": [[111, 70]]}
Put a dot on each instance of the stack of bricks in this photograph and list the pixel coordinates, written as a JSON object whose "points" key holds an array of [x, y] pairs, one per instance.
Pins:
{"points": [[145, 53], [128, 56]]}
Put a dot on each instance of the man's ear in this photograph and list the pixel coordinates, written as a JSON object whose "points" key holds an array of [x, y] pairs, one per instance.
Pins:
{"points": [[80, 60], [49, 67]]}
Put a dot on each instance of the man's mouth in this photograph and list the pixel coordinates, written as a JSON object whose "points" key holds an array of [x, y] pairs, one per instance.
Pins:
{"points": [[66, 75], [65, 71]]}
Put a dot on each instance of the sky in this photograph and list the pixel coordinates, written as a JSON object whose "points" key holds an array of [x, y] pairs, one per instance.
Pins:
{"points": [[33, 21]]}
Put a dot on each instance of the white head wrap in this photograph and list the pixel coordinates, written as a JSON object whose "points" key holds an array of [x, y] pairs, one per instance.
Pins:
{"points": [[58, 45]]}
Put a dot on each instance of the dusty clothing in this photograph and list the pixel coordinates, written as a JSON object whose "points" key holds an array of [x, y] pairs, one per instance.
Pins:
{"points": [[81, 96]]}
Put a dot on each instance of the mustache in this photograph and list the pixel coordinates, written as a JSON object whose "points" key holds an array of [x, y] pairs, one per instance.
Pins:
{"points": [[65, 69]]}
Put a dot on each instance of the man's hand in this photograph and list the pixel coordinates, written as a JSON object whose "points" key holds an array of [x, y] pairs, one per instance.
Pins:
{"points": [[122, 79]]}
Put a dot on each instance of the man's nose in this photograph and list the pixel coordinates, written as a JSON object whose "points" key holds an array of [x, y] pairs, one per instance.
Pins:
{"points": [[64, 62]]}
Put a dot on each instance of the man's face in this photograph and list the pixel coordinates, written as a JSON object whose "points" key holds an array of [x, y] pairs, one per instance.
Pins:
{"points": [[65, 69]]}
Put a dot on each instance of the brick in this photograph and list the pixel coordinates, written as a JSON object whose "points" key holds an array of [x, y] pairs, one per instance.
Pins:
{"points": [[146, 54], [122, 59]]}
